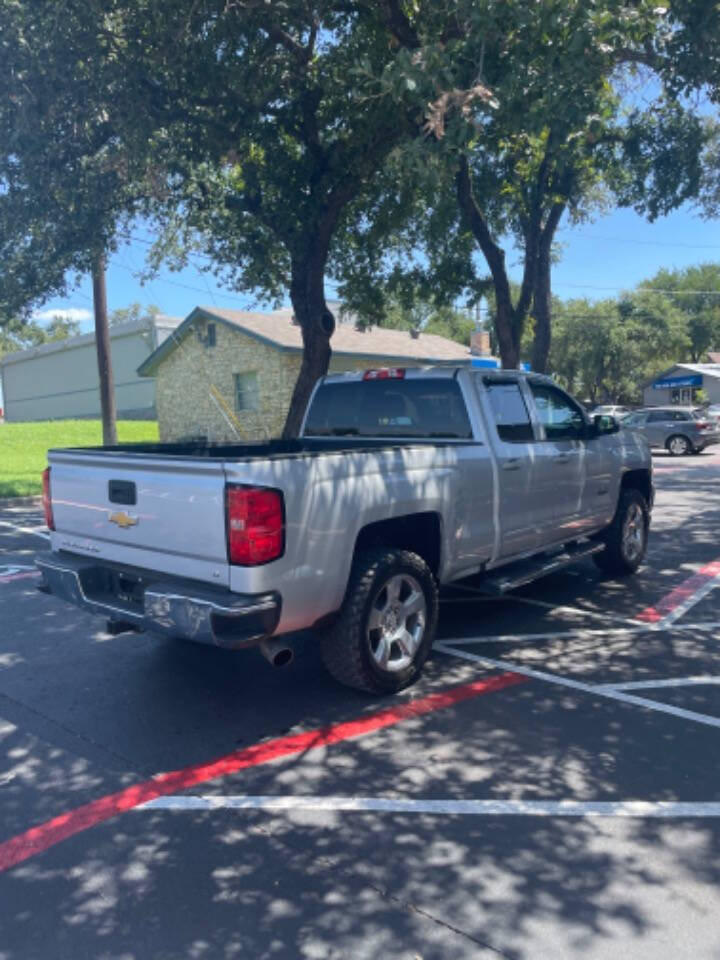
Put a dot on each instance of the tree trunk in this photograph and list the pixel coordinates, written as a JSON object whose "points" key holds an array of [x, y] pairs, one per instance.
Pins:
{"points": [[102, 343], [542, 314], [507, 329], [542, 292], [317, 325]]}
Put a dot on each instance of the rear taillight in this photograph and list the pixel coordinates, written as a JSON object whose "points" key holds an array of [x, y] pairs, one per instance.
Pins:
{"points": [[702, 424], [47, 501], [255, 525]]}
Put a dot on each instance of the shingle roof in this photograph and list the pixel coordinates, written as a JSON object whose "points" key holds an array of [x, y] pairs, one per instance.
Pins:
{"points": [[277, 329]]}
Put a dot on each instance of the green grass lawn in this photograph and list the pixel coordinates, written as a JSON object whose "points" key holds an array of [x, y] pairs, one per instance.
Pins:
{"points": [[24, 447]]}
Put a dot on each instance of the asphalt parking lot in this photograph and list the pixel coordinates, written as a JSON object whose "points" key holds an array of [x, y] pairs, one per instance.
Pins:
{"points": [[550, 788]]}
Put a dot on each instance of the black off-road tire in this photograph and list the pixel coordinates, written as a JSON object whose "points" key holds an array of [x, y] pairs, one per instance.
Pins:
{"points": [[345, 647], [674, 440], [614, 559]]}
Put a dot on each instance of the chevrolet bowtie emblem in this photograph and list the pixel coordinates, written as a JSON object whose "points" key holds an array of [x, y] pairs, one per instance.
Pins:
{"points": [[123, 520]]}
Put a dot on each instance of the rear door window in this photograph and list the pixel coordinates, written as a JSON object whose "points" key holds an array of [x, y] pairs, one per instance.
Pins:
{"points": [[417, 408], [510, 412]]}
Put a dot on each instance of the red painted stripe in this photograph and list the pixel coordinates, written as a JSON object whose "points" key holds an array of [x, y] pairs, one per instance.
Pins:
{"points": [[680, 593], [40, 838]]}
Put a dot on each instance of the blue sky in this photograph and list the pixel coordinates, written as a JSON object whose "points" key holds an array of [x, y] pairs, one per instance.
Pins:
{"points": [[599, 259]]}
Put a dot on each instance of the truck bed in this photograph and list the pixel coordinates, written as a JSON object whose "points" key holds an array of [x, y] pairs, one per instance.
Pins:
{"points": [[309, 446]]}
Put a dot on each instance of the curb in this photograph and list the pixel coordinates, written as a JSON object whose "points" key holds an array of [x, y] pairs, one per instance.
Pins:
{"points": [[20, 501]]}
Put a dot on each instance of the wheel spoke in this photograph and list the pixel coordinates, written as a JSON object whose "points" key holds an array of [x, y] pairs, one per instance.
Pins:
{"points": [[382, 651], [407, 643], [415, 603], [393, 588]]}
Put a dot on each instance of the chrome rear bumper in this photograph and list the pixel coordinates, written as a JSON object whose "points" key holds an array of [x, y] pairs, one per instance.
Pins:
{"points": [[144, 600]]}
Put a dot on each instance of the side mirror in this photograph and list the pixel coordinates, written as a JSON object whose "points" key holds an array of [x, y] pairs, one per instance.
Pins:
{"points": [[605, 424]]}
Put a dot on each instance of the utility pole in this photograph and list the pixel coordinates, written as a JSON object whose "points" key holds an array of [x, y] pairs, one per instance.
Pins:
{"points": [[102, 344]]}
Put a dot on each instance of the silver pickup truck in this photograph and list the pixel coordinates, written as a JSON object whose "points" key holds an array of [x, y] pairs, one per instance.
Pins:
{"points": [[402, 481]]}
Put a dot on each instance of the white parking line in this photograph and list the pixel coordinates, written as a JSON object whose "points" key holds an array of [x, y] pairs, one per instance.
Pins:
{"points": [[691, 601], [597, 691], [659, 684], [583, 633], [477, 596], [662, 809], [33, 531]]}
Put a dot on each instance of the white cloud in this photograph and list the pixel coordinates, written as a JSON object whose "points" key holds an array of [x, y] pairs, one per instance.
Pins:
{"points": [[69, 313]]}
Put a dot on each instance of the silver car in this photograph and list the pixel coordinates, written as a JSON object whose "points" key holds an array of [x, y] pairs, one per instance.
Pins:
{"points": [[680, 430]]}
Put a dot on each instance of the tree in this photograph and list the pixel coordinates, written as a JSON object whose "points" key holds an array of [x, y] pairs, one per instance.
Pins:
{"points": [[606, 350], [66, 179], [559, 137], [132, 313], [695, 292], [259, 122]]}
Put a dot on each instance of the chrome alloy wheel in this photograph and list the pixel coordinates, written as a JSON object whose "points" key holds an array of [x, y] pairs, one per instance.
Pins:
{"points": [[678, 446], [633, 533], [396, 624]]}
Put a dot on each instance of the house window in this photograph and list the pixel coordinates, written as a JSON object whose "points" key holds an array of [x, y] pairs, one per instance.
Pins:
{"points": [[246, 391], [210, 335]]}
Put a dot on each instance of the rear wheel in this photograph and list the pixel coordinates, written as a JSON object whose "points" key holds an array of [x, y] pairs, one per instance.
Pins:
{"points": [[678, 445], [626, 537], [385, 629]]}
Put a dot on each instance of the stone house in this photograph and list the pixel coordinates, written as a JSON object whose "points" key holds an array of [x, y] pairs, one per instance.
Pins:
{"points": [[229, 374]]}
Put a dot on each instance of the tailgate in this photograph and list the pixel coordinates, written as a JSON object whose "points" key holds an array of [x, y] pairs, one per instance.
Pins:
{"points": [[158, 513]]}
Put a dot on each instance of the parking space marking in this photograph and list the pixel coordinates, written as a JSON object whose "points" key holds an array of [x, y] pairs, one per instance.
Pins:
{"points": [[17, 571], [478, 596], [646, 809], [33, 531], [38, 839], [580, 686], [659, 684], [582, 633], [683, 597]]}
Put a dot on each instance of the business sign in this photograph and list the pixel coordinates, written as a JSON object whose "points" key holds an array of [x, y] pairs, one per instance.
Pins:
{"points": [[695, 380]]}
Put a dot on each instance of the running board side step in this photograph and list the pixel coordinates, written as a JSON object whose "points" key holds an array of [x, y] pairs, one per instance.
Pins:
{"points": [[525, 571]]}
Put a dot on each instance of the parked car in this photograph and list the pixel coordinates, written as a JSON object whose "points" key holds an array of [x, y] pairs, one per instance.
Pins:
{"points": [[712, 411], [610, 410], [680, 430], [402, 480]]}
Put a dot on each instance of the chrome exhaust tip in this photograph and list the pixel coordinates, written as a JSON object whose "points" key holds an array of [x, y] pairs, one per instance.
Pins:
{"points": [[276, 652]]}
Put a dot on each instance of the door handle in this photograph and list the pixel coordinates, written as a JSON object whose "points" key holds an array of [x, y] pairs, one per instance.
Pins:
{"points": [[513, 464], [563, 458]]}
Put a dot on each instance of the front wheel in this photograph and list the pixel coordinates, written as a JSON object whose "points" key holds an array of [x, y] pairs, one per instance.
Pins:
{"points": [[626, 537], [384, 632]]}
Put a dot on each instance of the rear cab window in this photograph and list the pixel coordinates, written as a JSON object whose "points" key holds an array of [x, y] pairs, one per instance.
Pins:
{"points": [[414, 408]]}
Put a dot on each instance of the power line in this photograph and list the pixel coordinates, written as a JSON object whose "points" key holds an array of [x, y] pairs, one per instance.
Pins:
{"points": [[674, 293], [649, 243], [184, 286]]}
